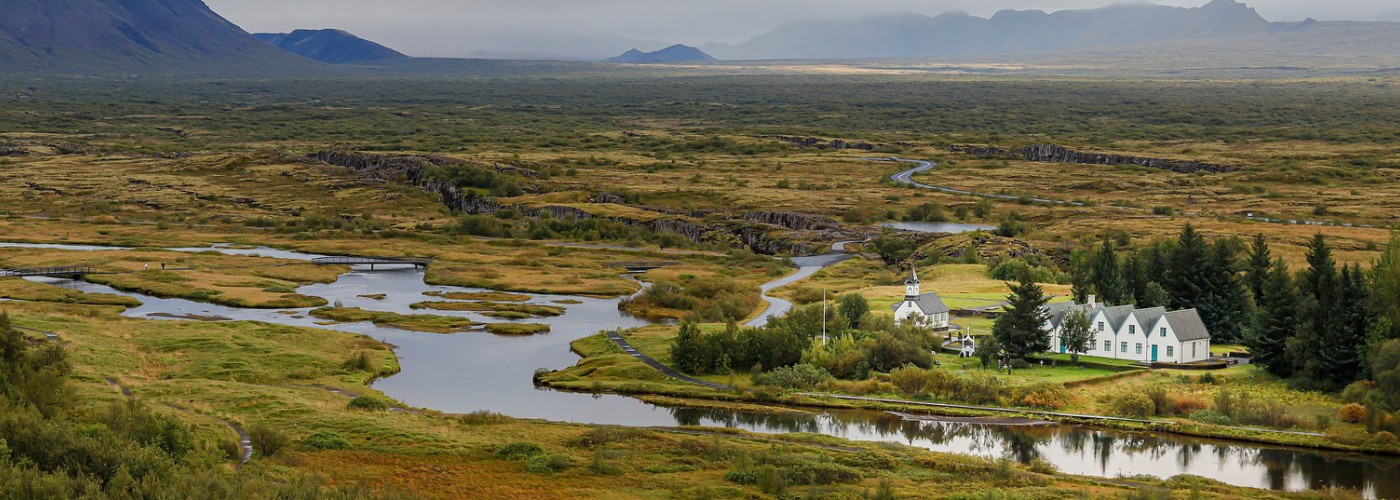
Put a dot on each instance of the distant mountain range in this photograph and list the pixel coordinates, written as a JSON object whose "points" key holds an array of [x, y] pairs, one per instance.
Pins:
{"points": [[674, 53], [128, 36], [330, 46], [958, 34]]}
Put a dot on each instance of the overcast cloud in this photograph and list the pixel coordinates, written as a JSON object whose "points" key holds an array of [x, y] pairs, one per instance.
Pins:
{"points": [[589, 28]]}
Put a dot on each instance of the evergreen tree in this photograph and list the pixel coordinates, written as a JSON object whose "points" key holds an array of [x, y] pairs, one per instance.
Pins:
{"points": [[1080, 277], [1259, 268], [1135, 274], [1155, 296], [1020, 330], [1276, 322], [1225, 307], [1187, 268], [1318, 291], [1107, 276], [1075, 334], [1345, 347]]}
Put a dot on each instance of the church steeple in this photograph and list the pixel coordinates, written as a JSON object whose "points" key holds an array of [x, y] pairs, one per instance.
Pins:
{"points": [[911, 285]]}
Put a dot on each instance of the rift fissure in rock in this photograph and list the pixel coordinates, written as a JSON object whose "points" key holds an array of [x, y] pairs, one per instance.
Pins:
{"points": [[1050, 153], [758, 231]]}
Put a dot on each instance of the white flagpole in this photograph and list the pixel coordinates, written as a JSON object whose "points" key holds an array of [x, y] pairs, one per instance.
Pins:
{"points": [[823, 316]]}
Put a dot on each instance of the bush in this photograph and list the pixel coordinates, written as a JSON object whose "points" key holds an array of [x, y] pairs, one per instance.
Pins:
{"points": [[231, 449], [548, 464], [266, 440], [1356, 392], [1132, 404], [1352, 413], [1211, 417], [367, 403], [518, 451], [1186, 405], [326, 440], [801, 376], [359, 362], [1042, 466], [1045, 395]]}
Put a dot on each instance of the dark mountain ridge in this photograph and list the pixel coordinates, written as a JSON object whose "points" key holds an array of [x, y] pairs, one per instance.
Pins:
{"points": [[330, 46], [674, 53], [1008, 31], [127, 36]]}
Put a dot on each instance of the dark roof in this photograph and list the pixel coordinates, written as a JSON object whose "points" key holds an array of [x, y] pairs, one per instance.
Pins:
{"points": [[1147, 318], [1188, 325], [928, 304], [913, 278], [1117, 315], [1059, 310]]}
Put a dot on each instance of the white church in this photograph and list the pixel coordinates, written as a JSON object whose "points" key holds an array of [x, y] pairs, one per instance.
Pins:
{"points": [[927, 310], [1152, 335]]}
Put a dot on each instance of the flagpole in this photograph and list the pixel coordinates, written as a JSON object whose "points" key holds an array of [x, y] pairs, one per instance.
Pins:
{"points": [[823, 316]]}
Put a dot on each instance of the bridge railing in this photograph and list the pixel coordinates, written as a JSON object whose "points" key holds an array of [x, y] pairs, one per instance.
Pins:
{"points": [[415, 261], [50, 271], [632, 265]]}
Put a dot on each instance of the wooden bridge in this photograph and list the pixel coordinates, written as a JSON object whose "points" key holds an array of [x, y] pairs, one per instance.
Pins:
{"points": [[416, 262], [640, 267], [51, 272]]}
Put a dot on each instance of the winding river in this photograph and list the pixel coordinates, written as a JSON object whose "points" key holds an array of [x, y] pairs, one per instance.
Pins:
{"points": [[476, 371]]}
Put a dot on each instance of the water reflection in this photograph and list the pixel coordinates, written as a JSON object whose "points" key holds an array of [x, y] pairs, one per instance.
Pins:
{"points": [[478, 371]]}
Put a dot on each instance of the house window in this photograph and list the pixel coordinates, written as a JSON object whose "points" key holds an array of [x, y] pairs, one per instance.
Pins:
{"points": [[1132, 329], [1169, 351], [1193, 351], [1107, 346], [1124, 347], [1101, 326], [1164, 332]]}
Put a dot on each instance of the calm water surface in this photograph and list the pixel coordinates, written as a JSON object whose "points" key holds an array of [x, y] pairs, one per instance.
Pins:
{"points": [[478, 371], [937, 227]]}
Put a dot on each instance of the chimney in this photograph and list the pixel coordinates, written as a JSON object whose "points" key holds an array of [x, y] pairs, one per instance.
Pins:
{"points": [[1093, 301]]}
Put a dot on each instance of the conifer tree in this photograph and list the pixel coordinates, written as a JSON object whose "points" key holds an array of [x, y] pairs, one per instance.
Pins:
{"points": [[1318, 291], [1186, 269], [1135, 274], [1021, 329], [1345, 348], [1107, 276], [1276, 322], [1260, 265], [1225, 306], [1385, 287]]}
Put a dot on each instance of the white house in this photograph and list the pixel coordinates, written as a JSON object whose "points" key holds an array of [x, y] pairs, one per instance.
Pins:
{"points": [[922, 309], [1150, 335]]}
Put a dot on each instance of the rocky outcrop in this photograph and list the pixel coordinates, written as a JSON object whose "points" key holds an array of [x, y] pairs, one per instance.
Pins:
{"points": [[1050, 153], [793, 220], [12, 150], [819, 143]]}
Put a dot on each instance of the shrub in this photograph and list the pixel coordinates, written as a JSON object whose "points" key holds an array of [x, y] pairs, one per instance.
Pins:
{"points": [[1356, 392], [801, 376], [359, 362], [1132, 404], [1211, 417], [1042, 466], [1044, 395], [548, 464], [1186, 405], [518, 451], [231, 449], [605, 435], [266, 440], [367, 403], [1352, 413], [1207, 379], [326, 440]]}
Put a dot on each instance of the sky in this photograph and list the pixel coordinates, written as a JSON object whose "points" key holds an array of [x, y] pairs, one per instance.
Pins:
{"points": [[598, 28]]}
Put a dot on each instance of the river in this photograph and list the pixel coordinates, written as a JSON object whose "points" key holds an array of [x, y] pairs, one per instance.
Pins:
{"points": [[475, 371]]}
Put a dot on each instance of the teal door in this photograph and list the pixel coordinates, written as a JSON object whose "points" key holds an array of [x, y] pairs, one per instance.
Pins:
{"points": [[1154, 354], [1062, 347]]}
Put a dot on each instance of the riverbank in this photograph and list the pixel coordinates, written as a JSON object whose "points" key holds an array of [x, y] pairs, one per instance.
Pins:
{"points": [[606, 367]]}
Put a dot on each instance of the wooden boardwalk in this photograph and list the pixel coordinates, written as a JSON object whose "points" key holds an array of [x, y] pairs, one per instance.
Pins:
{"points": [[416, 262], [640, 267], [50, 272]]}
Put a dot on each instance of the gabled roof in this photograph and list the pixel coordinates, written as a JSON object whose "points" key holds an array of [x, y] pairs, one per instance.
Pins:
{"points": [[928, 304], [1188, 325], [1116, 316], [1147, 318]]}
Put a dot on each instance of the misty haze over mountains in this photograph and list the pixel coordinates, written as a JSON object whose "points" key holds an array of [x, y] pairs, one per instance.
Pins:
{"points": [[106, 36]]}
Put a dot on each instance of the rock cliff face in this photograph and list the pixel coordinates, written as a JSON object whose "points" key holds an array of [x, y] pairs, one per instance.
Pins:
{"points": [[1050, 153], [819, 143], [764, 232]]}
